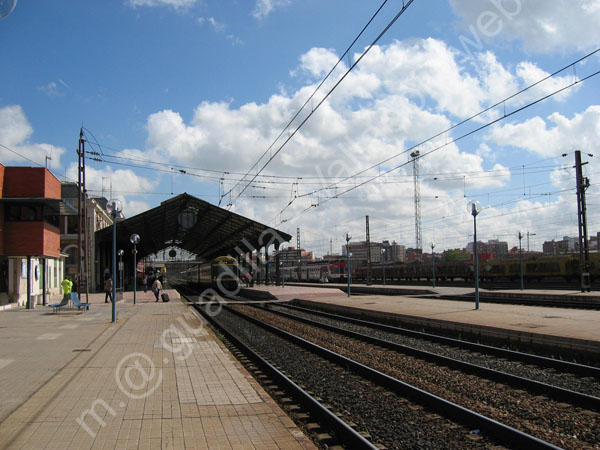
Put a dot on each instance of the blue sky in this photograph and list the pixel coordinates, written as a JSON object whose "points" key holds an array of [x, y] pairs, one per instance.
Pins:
{"points": [[202, 84]]}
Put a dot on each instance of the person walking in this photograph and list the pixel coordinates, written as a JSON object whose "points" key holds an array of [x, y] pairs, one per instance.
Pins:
{"points": [[67, 285], [145, 282], [156, 287], [108, 287]]}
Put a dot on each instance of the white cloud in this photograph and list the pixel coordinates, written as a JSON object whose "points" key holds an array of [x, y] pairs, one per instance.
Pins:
{"points": [[125, 184], [51, 89], [399, 95], [15, 133], [220, 28], [175, 4], [265, 7], [558, 134], [541, 25]]}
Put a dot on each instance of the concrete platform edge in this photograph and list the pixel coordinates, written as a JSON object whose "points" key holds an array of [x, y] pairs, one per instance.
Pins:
{"points": [[587, 347]]}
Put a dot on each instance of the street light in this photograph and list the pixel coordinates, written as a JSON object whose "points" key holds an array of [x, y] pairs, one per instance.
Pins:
{"points": [[529, 234], [432, 264], [383, 257], [135, 240], [348, 237], [520, 236], [114, 207], [120, 253], [474, 208]]}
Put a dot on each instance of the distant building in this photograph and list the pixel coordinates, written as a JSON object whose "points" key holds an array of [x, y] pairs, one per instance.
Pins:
{"points": [[493, 247], [97, 219], [30, 258], [566, 245], [394, 252], [289, 256], [360, 254]]}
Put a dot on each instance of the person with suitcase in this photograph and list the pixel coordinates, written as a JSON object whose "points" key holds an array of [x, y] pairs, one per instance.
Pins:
{"points": [[156, 287]]}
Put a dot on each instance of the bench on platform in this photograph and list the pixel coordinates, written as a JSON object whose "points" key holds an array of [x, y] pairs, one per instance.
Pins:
{"points": [[57, 306], [77, 303]]}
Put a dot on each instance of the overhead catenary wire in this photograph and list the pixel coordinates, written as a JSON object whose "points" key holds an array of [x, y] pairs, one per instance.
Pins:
{"points": [[405, 5], [445, 144]]}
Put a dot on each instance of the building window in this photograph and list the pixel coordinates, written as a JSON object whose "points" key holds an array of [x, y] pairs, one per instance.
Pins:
{"points": [[24, 213], [72, 224]]}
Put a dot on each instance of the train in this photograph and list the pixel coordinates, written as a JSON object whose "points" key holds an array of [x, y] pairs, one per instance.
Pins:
{"points": [[535, 269], [224, 273], [221, 274]]}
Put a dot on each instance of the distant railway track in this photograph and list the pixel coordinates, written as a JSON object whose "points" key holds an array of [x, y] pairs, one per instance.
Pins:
{"points": [[421, 338], [428, 427]]}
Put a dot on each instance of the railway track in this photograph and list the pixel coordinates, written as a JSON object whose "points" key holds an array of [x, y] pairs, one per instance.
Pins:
{"points": [[422, 339], [427, 424], [566, 419]]}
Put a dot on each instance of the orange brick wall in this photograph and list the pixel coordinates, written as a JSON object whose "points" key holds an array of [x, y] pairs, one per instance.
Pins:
{"points": [[31, 238], [1, 179], [51, 241], [28, 182], [28, 238], [52, 185]]}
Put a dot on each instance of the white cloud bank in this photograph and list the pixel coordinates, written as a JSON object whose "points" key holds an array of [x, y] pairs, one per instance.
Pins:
{"points": [[15, 133], [540, 25], [400, 94]]}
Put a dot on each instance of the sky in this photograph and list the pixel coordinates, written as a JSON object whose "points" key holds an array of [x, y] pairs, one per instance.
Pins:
{"points": [[191, 95]]}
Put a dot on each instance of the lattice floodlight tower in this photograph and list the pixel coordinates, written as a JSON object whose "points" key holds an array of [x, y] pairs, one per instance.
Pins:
{"points": [[418, 235]]}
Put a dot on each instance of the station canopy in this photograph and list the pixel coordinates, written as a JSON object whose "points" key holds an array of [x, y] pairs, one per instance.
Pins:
{"points": [[194, 225]]}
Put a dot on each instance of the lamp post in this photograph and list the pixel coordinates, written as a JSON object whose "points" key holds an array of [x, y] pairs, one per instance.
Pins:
{"points": [[475, 208], [135, 240], [432, 264], [520, 236], [529, 234], [383, 257], [120, 253], [114, 207], [348, 237]]}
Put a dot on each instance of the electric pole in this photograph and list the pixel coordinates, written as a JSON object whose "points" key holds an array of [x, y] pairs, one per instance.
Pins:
{"points": [[298, 251], [368, 253], [584, 255]]}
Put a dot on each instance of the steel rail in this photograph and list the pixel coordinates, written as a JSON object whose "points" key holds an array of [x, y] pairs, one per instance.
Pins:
{"points": [[579, 369], [558, 393], [457, 413], [344, 432]]}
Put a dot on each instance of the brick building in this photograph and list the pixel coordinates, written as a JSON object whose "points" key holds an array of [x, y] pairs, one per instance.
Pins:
{"points": [[31, 267]]}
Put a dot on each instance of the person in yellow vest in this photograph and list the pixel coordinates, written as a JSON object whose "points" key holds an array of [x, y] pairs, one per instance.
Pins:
{"points": [[67, 285]]}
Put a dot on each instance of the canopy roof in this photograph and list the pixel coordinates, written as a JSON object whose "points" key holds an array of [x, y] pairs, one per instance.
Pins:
{"points": [[193, 225]]}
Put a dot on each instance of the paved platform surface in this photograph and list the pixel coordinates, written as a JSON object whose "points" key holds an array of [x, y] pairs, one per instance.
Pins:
{"points": [[547, 322], [157, 378]]}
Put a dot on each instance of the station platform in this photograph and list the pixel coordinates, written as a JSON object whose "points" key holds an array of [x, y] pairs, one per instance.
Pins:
{"points": [[566, 328], [156, 378]]}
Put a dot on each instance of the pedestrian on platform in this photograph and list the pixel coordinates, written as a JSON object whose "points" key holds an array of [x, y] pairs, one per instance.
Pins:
{"points": [[145, 282], [156, 287], [67, 285], [75, 286], [108, 288]]}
